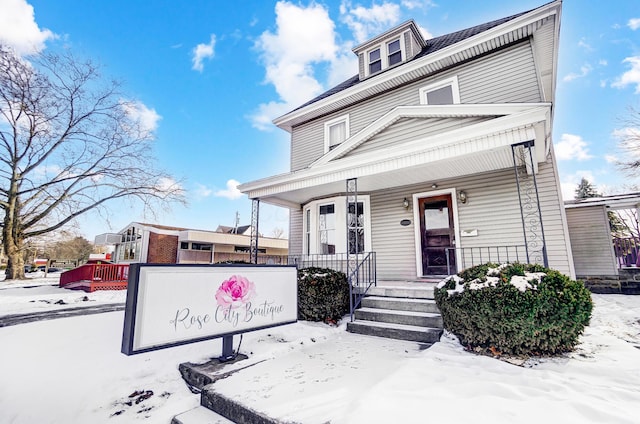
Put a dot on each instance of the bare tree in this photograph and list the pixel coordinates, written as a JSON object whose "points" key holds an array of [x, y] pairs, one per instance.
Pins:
{"points": [[277, 232], [70, 143], [629, 143]]}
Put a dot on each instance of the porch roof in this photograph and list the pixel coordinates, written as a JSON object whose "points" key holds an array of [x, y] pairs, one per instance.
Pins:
{"points": [[473, 149], [617, 201]]}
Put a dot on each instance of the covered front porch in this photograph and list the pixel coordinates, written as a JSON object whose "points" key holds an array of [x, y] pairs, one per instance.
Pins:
{"points": [[430, 204]]}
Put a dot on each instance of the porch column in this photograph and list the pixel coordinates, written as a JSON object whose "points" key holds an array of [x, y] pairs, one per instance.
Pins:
{"points": [[352, 225], [530, 211], [253, 245]]}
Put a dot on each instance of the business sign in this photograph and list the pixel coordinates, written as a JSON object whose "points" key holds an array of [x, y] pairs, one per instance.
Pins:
{"points": [[171, 305]]}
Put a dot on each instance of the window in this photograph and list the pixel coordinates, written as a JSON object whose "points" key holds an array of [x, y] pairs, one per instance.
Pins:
{"points": [[184, 245], [325, 226], [394, 53], [131, 245], [444, 92], [327, 229], [201, 246], [375, 61], [335, 132], [356, 228]]}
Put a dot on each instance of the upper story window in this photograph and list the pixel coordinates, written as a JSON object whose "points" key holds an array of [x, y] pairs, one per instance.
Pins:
{"points": [[394, 52], [335, 132], [443, 92], [375, 61], [379, 60]]}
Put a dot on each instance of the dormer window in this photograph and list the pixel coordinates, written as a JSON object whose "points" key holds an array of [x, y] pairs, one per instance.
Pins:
{"points": [[335, 132], [443, 92], [394, 52], [375, 61]]}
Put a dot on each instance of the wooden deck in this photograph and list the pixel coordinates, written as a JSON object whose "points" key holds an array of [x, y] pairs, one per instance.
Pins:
{"points": [[93, 277]]}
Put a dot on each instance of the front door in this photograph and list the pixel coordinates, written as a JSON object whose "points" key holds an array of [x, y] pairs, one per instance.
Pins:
{"points": [[437, 233]]}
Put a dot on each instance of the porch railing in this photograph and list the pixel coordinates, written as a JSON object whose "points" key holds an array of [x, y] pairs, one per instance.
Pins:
{"points": [[627, 250], [477, 255], [95, 272]]}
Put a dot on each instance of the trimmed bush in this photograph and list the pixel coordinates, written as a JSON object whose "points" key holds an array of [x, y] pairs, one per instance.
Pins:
{"points": [[323, 295], [517, 309]]}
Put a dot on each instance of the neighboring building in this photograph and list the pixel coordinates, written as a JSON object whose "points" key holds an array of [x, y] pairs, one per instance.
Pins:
{"points": [[444, 147], [598, 256], [152, 243]]}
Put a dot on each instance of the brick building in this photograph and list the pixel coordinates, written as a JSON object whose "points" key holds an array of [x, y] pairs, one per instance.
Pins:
{"points": [[161, 244]]}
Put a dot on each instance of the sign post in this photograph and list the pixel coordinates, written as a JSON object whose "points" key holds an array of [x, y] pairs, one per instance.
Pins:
{"points": [[172, 305]]}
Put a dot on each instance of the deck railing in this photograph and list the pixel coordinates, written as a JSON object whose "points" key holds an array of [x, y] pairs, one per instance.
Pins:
{"points": [[627, 250], [95, 272], [471, 256]]}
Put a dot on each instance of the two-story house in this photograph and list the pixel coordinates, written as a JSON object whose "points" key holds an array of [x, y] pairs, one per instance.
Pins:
{"points": [[436, 156]]}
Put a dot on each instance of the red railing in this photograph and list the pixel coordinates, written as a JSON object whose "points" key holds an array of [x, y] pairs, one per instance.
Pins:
{"points": [[96, 273]]}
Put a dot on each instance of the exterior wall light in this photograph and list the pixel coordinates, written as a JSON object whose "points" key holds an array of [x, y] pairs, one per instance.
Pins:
{"points": [[405, 203], [434, 185], [462, 196]]}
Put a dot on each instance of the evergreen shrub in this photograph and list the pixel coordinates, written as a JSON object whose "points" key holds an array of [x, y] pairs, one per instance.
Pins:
{"points": [[516, 309], [323, 295]]}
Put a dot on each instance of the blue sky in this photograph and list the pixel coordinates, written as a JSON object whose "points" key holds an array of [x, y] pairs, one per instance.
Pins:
{"points": [[209, 77]]}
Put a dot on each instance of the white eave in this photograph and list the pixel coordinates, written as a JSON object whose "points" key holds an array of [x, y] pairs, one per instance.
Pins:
{"points": [[507, 33], [475, 148]]}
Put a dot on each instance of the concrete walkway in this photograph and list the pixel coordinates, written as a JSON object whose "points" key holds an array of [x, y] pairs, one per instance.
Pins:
{"points": [[8, 320]]}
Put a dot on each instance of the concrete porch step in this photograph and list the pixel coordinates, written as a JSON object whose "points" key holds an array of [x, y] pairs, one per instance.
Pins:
{"points": [[419, 319], [396, 331], [400, 304], [405, 292]]}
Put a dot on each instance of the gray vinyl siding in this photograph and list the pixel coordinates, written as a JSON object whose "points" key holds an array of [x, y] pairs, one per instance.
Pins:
{"points": [[591, 241], [295, 232], [408, 129], [502, 77], [492, 209]]}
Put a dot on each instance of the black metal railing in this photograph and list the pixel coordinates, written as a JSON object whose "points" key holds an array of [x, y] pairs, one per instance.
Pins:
{"points": [[477, 255], [361, 273], [627, 250]]}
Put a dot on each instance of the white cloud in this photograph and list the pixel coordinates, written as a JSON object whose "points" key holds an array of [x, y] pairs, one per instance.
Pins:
{"points": [[168, 184], [632, 76], [626, 132], [584, 71], [203, 51], [425, 32], [18, 28], [634, 23], [363, 21], [572, 147], [610, 158], [304, 36], [146, 118], [603, 62], [417, 4], [203, 191], [584, 45], [569, 183], [231, 192]]}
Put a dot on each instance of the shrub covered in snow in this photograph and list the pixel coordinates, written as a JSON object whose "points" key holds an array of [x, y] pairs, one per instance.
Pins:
{"points": [[514, 309], [323, 295]]}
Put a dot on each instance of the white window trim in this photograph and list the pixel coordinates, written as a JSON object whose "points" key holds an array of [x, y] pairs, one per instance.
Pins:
{"points": [[329, 124], [384, 55], [452, 81], [340, 203]]}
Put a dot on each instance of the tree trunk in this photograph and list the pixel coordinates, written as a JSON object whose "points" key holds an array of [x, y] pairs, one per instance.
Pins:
{"points": [[13, 249]]}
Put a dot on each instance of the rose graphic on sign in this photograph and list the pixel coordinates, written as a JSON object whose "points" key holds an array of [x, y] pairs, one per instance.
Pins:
{"points": [[235, 292]]}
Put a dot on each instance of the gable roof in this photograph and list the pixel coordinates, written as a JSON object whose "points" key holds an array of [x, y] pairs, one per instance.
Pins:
{"points": [[439, 49]]}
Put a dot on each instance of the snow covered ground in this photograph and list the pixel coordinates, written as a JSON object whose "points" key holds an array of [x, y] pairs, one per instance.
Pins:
{"points": [[70, 370]]}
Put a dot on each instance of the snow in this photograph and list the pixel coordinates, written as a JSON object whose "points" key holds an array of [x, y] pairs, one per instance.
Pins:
{"points": [[70, 370]]}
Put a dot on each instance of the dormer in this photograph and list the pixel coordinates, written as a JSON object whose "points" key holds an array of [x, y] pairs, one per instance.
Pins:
{"points": [[392, 48]]}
